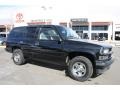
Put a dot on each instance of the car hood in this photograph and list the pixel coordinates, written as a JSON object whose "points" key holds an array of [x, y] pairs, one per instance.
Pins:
{"points": [[102, 44]]}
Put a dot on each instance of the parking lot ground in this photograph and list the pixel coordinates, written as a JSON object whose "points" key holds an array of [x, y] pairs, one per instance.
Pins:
{"points": [[35, 73]]}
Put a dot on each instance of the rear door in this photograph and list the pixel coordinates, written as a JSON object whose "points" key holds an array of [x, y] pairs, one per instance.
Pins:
{"points": [[30, 40]]}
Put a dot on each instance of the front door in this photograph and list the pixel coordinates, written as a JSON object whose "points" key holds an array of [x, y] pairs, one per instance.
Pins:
{"points": [[49, 46]]}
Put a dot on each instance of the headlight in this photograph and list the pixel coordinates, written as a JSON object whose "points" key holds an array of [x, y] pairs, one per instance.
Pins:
{"points": [[105, 51]]}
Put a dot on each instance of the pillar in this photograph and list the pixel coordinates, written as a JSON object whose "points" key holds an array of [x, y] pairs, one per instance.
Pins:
{"points": [[89, 32], [113, 31]]}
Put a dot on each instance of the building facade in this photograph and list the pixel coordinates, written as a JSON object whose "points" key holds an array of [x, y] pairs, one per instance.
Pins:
{"points": [[92, 30], [116, 32], [5, 29]]}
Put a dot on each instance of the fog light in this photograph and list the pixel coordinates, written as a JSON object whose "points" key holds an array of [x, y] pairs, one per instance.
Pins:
{"points": [[103, 57]]}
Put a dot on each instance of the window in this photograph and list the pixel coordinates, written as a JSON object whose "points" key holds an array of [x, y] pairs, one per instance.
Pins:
{"points": [[2, 35], [32, 32], [18, 32], [99, 27], [95, 36], [80, 27], [100, 36], [48, 34], [85, 36], [117, 35]]}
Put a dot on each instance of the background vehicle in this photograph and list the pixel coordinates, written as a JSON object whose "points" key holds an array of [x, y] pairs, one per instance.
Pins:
{"points": [[2, 40], [61, 46]]}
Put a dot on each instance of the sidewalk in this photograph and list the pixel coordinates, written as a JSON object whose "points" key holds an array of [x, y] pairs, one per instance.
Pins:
{"points": [[2, 46]]}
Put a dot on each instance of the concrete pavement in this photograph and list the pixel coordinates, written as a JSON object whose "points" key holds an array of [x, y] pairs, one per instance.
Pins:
{"points": [[35, 73]]}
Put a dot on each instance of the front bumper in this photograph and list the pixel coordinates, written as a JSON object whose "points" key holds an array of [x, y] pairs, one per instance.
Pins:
{"points": [[103, 65]]}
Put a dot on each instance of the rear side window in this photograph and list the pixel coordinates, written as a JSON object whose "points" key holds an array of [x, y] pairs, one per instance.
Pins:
{"points": [[18, 32], [32, 32]]}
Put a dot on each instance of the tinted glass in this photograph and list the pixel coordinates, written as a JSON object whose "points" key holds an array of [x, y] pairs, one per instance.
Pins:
{"points": [[32, 32], [18, 32]]}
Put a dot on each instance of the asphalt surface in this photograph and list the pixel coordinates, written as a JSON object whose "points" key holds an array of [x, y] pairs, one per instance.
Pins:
{"points": [[35, 73]]}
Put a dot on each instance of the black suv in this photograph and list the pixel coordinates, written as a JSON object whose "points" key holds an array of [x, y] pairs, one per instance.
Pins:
{"points": [[61, 46]]}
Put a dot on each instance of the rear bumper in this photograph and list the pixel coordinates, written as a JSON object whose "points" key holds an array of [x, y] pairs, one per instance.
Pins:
{"points": [[104, 65]]}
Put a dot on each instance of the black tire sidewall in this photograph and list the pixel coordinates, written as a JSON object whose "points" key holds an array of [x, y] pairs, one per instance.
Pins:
{"points": [[86, 62], [22, 60]]}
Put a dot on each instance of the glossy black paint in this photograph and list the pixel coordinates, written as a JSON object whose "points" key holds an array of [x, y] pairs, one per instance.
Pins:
{"points": [[52, 51]]}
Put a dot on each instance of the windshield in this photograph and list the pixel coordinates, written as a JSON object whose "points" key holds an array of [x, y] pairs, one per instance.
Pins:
{"points": [[68, 33]]}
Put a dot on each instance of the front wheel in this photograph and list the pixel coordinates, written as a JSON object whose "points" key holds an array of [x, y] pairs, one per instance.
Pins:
{"points": [[80, 68]]}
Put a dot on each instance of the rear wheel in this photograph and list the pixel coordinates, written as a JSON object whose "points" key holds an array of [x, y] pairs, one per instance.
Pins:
{"points": [[80, 68], [18, 57]]}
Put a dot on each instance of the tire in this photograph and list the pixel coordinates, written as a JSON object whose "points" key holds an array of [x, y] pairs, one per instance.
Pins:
{"points": [[80, 68], [18, 57]]}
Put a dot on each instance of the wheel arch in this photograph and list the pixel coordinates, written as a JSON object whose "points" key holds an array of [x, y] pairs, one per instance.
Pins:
{"points": [[88, 55], [15, 47]]}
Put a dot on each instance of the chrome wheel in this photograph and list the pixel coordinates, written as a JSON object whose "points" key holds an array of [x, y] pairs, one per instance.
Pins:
{"points": [[17, 57], [79, 69]]}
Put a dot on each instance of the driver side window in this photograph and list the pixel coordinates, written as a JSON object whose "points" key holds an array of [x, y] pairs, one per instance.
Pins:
{"points": [[48, 34]]}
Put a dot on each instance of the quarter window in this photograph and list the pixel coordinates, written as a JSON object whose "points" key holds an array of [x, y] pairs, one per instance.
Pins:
{"points": [[18, 32]]}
